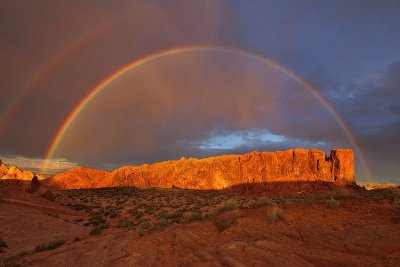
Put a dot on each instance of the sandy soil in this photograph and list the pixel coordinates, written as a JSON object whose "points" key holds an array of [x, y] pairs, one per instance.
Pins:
{"points": [[363, 230]]}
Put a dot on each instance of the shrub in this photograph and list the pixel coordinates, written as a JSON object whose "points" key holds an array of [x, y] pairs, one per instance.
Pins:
{"points": [[125, 224], [260, 202], [275, 214], [114, 214], [11, 261], [230, 204], [144, 225], [98, 229], [224, 221], [134, 210], [332, 203], [162, 222], [96, 219], [195, 216], [341, 193], [162, 215], [49, 246], [139, 214]]}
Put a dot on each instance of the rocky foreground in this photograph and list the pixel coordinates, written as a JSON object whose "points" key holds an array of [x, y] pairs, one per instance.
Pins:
{"points": [[124, 227], [294, 166]]}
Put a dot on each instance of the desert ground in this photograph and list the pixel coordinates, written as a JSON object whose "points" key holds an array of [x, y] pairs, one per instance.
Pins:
{"points": [[129, 226]]}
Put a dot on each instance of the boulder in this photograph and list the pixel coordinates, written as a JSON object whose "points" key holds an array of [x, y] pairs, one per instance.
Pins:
{"points": [[35, 184], [49, 195]]}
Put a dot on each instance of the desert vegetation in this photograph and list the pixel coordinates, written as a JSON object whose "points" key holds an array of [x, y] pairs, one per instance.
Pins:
{"points": [[275, 213], [146, 209], [18, 259], [48, 246], [332, 203]]}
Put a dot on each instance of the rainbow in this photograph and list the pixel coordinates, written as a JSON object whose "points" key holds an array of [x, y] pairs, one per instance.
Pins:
{"points": [[186, 49], [41, 75]]}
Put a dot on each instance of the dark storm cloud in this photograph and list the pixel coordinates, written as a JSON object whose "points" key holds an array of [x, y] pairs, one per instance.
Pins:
{"points": [[181, 105], [33, 34], [372, 110]]}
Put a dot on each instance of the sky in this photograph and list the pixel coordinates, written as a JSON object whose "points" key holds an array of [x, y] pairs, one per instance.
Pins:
{"points": [[197, 79]]}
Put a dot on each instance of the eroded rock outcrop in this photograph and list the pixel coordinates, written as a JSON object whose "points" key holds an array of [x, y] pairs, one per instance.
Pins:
{"points": [[290, 166], [14, 172]]}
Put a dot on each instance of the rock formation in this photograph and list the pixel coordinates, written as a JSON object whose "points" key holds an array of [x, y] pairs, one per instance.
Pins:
{"points": [[14, 172], [290, 166], [35, 184]]}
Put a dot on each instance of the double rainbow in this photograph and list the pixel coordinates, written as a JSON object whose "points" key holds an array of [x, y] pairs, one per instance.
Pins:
{"points": [[186, 49]]}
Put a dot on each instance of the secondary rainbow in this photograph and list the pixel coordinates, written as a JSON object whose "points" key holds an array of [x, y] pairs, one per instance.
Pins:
{"points": [[186, 49]]}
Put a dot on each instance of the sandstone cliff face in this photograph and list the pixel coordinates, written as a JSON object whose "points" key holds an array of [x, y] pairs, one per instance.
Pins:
{"points": [[77, 178], [290, 166]]}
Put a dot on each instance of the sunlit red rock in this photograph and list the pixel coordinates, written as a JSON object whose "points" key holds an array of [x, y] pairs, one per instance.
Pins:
{"points": [[221, 172], [14, 172]]}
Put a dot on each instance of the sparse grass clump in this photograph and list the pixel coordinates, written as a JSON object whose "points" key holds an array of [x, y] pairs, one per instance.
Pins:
{"points": [[49, 246], [275, 214], [230, 204], [224, 221], [332, 203]]}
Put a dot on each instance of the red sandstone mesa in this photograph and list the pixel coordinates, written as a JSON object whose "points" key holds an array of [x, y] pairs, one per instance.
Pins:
{"points": [[293, 165]]}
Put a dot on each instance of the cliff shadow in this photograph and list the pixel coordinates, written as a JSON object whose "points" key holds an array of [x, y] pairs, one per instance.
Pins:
{"points": [[288, 188]]}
